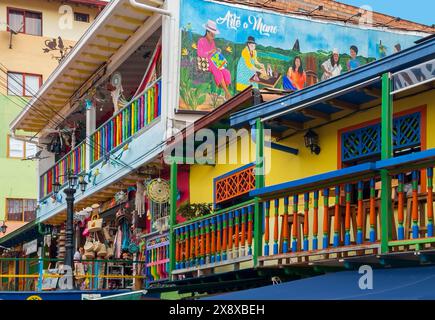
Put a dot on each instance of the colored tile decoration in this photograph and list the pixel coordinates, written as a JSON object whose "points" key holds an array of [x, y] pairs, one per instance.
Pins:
{"points": [[366, 141], [234, 183], [75, 160], [127, 122], [218, 238], [157, 259]]}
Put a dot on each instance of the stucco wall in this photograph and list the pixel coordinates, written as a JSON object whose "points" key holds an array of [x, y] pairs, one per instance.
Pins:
{"points": [[18, 179]]}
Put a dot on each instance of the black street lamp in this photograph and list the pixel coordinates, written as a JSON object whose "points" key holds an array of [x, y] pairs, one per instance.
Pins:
{"points": [[73, 181]]}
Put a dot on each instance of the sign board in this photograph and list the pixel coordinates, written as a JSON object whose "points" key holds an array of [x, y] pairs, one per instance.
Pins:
{"points": [[30, 247]]}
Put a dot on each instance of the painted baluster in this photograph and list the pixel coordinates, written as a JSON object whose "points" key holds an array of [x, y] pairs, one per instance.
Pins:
{"points": [[177, 248], [236, 233], [295, 232], [250, 228], [325, 218], [213, 239], [266, 228], [306, 222], [316, 220], [230, 235], [197, 252], [224, 236], [243, 238], [218, 238], [285, 226], [347, 217], [202, 252], [337, 217], [192, 245], [372, 210], [186, 245], [400, 206], [415, 231], [275, 230], [181, 247], [359, 233], [429, 172], [207, 241]]}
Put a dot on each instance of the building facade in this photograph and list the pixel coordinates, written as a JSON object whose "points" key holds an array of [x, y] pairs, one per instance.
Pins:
{"points": [[316, 110], [26, 30]]}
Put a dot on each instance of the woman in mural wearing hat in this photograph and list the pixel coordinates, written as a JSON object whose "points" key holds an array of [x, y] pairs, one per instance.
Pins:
{"points": [[206, 49], [248, 66], [331, 67]]}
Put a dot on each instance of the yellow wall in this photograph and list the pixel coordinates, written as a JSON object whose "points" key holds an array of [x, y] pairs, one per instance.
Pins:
{"points": [[286, 167]]}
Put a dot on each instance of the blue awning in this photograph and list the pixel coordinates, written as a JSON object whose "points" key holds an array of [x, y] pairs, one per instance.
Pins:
{"points": [[398, 283]]}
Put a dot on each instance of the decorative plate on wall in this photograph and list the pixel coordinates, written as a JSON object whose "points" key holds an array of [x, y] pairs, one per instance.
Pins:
{"points": [[158, 190]]}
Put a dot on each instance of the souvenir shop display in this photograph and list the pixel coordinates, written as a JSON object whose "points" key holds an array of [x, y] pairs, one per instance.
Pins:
{"points": [[61, 250], [158, 198]]}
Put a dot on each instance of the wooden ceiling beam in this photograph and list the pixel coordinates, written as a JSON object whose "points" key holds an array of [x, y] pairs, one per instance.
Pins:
{"points": [[376, 93], [316, 114], [111, 39], [290, 124], [129, 20], [343, 104], [95, 56], [81, 71], [103, 48], [120, 30]]}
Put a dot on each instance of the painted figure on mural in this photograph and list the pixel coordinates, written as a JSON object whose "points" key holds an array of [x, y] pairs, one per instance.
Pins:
{"points": [[296, 76], [216, 62], [331, 67], [353, 62], [248, 66]]}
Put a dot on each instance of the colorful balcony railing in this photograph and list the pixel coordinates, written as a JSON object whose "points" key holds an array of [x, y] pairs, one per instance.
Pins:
{"points": [[157, 259], [413, 190], [217, 238], [300, 214], [75, 160], [126, 123]]}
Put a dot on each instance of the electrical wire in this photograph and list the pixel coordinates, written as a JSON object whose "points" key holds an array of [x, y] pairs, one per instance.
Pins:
{"points": [[94, 146]]}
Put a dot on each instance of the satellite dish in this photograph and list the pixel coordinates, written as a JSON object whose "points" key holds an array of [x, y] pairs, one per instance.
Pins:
{"points": [[116, 79]]}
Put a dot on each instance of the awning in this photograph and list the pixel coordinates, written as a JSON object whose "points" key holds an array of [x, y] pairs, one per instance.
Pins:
{"points": [[390, 284], [25, 233]]}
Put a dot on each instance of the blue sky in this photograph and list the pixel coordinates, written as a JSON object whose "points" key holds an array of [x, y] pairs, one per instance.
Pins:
{"points": [[421, 11]]}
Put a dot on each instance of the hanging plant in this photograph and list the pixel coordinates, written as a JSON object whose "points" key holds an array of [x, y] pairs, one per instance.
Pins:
{"points": [[194, 210]]}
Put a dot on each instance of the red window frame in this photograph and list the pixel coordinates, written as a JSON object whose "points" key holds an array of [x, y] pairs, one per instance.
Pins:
{"points": [[23, 11], [23, 75]]}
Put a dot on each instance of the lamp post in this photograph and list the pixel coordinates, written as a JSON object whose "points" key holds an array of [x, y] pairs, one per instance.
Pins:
{"points": [[73, 181]]}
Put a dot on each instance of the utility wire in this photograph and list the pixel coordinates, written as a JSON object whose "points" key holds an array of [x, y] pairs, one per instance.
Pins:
{"points": [[94, 146]]}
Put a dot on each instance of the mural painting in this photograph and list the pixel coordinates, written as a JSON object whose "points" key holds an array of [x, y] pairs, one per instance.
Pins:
{"points": [[225, 49]]}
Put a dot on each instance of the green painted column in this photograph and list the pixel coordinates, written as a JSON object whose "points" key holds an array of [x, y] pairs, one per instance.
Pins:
{"points": [[386, 153], [173, 214], [259, 183]]}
